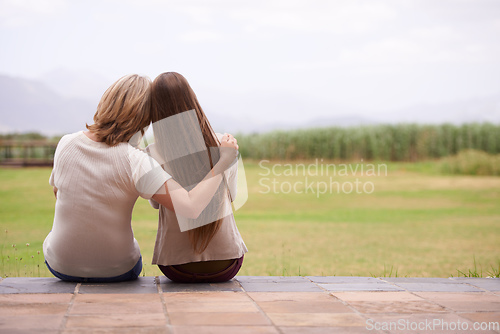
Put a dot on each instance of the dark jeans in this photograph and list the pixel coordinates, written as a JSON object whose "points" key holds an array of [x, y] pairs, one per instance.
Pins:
{"points": [[128, 276], [180, 275]]}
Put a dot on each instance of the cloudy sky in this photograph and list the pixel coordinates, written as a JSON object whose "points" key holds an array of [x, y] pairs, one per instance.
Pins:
{"points": [[268, 59]]}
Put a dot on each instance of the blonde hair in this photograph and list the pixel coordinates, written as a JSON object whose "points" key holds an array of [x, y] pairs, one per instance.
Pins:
{"points": [[124, 110]]}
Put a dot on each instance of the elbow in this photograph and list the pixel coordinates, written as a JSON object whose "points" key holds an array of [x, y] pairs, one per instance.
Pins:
{"points": [[154, 204]]}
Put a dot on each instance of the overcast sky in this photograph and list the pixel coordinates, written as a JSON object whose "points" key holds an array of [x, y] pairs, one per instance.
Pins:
{"points": [[366, 55]]}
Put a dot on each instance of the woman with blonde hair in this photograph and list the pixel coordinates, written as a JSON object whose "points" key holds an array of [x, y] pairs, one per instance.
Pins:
{"points": [[98, 176], [207, 247]]}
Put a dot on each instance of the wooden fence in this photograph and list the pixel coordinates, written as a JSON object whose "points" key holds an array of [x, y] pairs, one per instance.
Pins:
{"points": [[27, 153]]}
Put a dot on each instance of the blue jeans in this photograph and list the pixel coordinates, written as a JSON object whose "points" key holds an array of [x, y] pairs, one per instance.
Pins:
{"points": [[128, 276]]}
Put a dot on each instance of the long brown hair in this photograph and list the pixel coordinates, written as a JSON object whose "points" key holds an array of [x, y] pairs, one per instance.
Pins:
{"points": [[124, 110], [172, 95]]}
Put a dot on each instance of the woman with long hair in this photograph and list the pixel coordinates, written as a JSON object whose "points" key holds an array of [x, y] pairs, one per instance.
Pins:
{"points": [[98, 176], [208, 248]]}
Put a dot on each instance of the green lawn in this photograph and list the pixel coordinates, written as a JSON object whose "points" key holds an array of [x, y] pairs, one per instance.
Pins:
{"points": [[414, 223]]}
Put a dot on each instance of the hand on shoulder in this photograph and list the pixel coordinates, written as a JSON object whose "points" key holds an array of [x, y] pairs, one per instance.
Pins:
{"points": [[221, 136]]}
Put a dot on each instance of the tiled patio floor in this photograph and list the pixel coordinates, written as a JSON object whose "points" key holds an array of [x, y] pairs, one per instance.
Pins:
{"points": [[250, 304]]}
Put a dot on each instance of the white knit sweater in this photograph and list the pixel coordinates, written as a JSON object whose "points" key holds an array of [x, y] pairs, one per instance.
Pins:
{"points": [[98, 186]]}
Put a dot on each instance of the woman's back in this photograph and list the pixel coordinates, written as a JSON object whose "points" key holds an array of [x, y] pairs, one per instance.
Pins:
{"points": [[97, 187], [173, 246]]}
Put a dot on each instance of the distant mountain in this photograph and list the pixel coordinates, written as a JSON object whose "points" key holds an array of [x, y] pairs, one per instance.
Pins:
{"points": [[69, 101], [72, 84], [484, 109], [30, 105], [274, 111]]}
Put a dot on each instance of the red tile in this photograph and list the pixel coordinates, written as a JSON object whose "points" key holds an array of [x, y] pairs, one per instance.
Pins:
{"points": [[326, 330], [116, 308], [38, 298], [369, 296], [204, 306], [217, 319], [397, 307], [30, 322], [217, 296], [483, 317], [116, 320], [33, 309], [121, 330], [118, 298], [224, 330], [290, 296], [304, 307], [317, 319]]}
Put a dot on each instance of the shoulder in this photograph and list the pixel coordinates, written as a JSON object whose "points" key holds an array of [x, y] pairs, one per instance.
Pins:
{"points": [[138, 156], [134, 152], [153, 151], [67, 140], [69, 137]]}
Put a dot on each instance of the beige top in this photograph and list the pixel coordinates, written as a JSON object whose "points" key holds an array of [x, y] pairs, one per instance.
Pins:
{"points": [[173, 247], [98, 186]]}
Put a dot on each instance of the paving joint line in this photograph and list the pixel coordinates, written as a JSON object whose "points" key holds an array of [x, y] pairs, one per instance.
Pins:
{"points": [[330, 293], [470, 284], [454, 282], [168, 325], [447, 309], [260, 309], [62, 327], [401, 287], [478, 287]]}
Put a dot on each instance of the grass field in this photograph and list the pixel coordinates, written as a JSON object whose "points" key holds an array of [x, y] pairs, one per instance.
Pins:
{"points": [[416, 222]]}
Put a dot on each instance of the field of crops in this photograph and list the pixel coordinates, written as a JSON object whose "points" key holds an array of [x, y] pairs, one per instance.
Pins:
{"points": [[402, 142]]}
